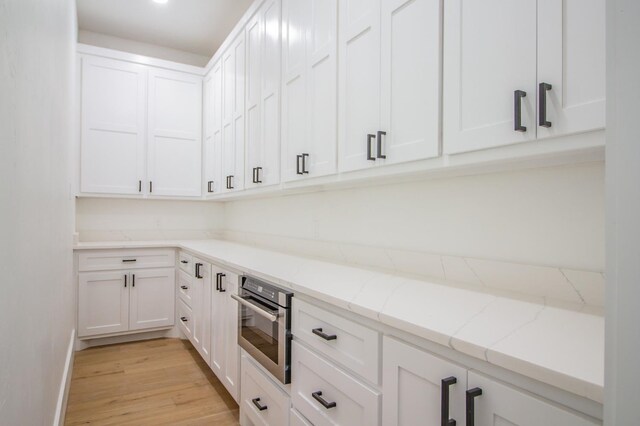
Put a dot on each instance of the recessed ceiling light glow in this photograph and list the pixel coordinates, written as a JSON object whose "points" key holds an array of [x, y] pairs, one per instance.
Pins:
{"points": [[161, 1]]}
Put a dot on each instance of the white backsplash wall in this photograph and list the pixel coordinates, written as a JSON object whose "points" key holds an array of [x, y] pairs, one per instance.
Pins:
{"points": [[536, 232], [102, 219]]}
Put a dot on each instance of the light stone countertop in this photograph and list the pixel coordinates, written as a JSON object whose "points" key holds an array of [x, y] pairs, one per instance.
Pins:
{"points": [[559, 347]]}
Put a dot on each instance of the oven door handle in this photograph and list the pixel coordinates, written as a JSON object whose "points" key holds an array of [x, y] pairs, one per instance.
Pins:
{"points": [[258, 310]]}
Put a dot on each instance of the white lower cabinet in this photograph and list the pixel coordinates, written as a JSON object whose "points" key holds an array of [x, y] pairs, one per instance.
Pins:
{"points": [[413, 386], [497, 404], [185, 317], [297, 419], [326, 395], [262, 402], [121, 301], [201, 306]]}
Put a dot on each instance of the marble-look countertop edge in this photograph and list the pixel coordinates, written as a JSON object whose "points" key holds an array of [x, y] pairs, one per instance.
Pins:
{"points": [[203, 248]]}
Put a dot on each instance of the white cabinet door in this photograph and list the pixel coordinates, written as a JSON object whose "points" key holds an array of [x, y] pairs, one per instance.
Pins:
{"points": [[152, 298], [212, 88], [174, 133], [410, 80], [113, 126], [489, 54], [103, 303], [359, 83], [217, 324], [571, 59], [201, 306], [254, 36], [231, 376], [500, 405], [262, 402], [413, 386], [233, 81]]}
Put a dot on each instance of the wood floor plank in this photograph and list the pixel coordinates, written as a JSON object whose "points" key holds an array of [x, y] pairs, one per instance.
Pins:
{"points": [[153, 382]]}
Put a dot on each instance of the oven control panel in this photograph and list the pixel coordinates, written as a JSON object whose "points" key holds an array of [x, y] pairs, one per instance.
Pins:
{"points": [[266, 291]]}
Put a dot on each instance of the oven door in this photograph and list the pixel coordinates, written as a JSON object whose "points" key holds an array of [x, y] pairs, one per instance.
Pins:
{"points": [[262, 333]]}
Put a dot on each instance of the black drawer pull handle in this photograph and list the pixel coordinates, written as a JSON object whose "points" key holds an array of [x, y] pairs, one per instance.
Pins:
{"points": [[471, 409], [184, 261], [128, 260], [184, 287], [318, 397], [380, 135], [256, 402], [183, 319], [444, 400], [542, 98], [325, 336], [517, 107], [370, 139]]}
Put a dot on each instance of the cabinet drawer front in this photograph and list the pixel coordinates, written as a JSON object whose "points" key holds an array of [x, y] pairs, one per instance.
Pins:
{"points": [[256, 386], [106, 260], [297, 419], [185, 291], [186, 262], [355, 403], [354, 346], [185, 319]]}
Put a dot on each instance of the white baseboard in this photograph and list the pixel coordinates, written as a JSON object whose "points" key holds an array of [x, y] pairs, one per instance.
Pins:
{"points": [[63, 393], [125, 338]]}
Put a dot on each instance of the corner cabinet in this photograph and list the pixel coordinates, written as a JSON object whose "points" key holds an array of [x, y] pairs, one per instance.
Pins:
{"points": [[520, 71], [389, 91], [309, 88], [140, 130]]}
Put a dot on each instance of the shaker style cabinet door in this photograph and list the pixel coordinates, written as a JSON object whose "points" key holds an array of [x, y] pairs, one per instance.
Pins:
{"points": [[113, 126], [411, 37], [359, 83], [571, 66], [174, 133], [489, 73], [499, 404], [212, 89], [413, 387], [103, 303], [152, 298], [201, 307]]}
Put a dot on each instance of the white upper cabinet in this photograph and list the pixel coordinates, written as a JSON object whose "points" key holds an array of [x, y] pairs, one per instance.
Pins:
{"points": [[212, 88], [389, 93], [174, 133], [571, 66], [489, 73], [517, 71], [309, 88], [113, 126], [233, 83], [263, 96]]}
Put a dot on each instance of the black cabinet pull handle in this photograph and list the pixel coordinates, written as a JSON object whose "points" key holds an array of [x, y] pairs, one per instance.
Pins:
{"points": [[325, 336], [256, 402], [258, 180], [198, 265], [542, 98], [128, 260], [253, 175], [209, 186], [184, 261], [298, 158], [133, 280], [220, 277], [380, 135], [517, 107], [183, 319], [230, 182], [184, 287], [139, 186], [125, 281], [304, 164], [370, 156], [318, 397], [444, 401], [218, 281], [150, 186], [471, 409]]}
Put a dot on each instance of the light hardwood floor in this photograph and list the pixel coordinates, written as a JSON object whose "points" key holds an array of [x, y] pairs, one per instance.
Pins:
{"points": [[154, 382]]}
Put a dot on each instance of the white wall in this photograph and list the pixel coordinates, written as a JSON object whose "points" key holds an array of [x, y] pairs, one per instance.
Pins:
{"points": [[146, 49], [622, 370], [551, 216], [37, 298], [113, 219]]}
